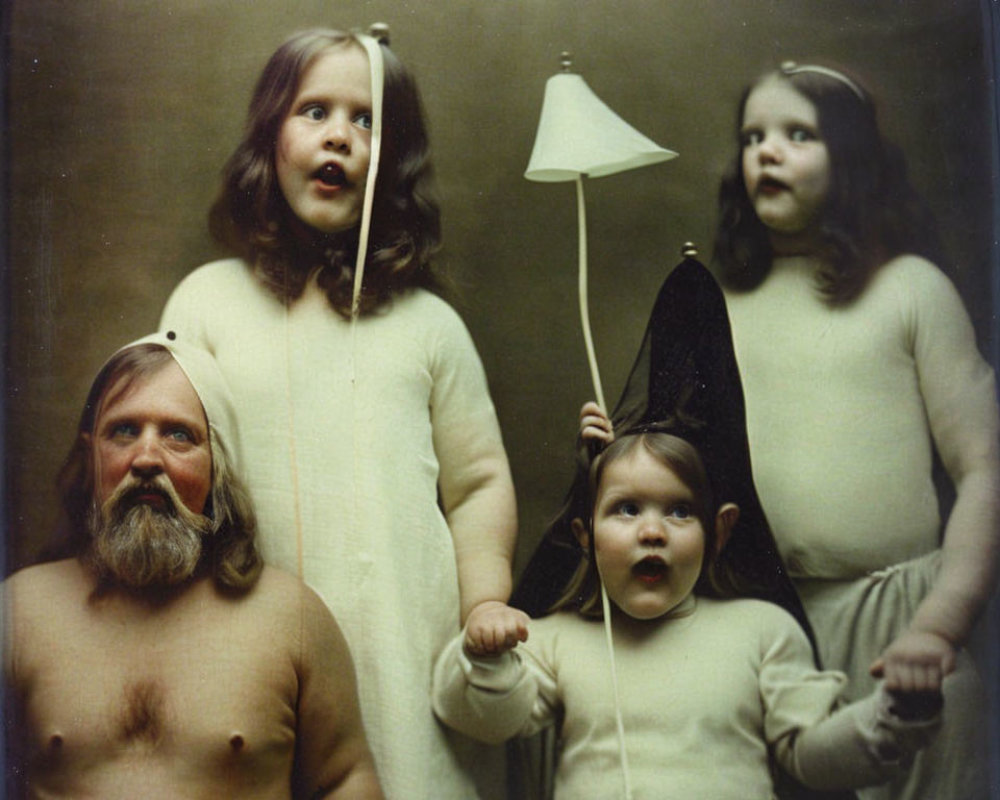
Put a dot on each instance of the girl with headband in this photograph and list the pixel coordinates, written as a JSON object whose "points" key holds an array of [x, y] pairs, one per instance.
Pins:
{"points": [[861, 370]]}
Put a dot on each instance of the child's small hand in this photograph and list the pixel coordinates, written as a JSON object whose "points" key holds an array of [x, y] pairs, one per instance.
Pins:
{"points": [[493, 628], [917, 661], [595, 424]]}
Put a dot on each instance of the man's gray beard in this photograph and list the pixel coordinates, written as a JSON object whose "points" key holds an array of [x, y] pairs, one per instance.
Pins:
{"points": [[140, 547]]}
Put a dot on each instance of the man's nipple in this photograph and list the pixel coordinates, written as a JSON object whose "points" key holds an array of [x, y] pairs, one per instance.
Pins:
{"points": [[236, 742]]}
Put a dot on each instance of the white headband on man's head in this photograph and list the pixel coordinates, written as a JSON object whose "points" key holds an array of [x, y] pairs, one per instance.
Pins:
{"points": [[201, 369]]}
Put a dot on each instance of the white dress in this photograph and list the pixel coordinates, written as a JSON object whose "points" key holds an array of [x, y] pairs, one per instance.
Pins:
{"points": [[343, 458]]}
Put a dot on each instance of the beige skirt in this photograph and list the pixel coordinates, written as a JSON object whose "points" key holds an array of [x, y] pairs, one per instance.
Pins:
{"points": [[854, 621]]}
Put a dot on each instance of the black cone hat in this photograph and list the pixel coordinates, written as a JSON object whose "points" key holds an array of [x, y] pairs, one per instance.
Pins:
{"points": [[685, 381]]}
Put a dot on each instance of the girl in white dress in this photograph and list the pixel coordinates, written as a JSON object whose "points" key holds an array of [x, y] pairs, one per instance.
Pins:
{"points": [[860, 367], [372, 447]]}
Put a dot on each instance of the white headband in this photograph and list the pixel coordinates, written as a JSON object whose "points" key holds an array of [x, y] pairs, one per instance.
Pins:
{"points": [[201, 369], [791, 68]]}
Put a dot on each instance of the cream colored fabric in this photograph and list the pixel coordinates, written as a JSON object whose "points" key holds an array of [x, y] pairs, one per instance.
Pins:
{"points": [[203, 372], [705, 697], [854, 620], [843, 406], [843, 409], [357, 471]]}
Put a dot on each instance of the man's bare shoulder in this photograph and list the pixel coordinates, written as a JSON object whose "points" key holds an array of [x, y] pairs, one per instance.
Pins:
{"points": [[285, 593], [53, 579], [37, 601], [288, 602]]}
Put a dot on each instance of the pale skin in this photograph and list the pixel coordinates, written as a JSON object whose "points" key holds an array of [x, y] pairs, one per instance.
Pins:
{"points": [[192, 694], [484, 528], [643, 512], [782, 137], [921, 657], [623, 536], [183, 691], [324, 145], [328, 126]]}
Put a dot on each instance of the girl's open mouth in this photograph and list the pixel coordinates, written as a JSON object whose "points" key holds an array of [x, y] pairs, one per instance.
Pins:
{"points": [[650, 570], [331, 175], [770, 186]]}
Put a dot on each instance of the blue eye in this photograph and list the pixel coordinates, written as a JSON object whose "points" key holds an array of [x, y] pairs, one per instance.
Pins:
{"points": [[801, 135], [364, 120], [681, 511], [180, 435], [123, 429], [751, 137], [628, 508], [315, 113]]}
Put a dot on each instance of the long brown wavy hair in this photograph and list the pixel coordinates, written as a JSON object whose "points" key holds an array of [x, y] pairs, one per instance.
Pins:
{"points": [[252, 218], [872, 212]]}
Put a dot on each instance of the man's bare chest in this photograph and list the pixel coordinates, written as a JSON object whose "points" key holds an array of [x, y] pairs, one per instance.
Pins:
{"points": [[207, 696]]}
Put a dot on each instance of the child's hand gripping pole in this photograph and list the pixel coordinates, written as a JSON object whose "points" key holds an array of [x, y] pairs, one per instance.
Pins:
{"points": [[595, 425]]}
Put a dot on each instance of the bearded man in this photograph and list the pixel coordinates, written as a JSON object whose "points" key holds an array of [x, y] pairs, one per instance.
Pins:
{"points": [[162, 659]]}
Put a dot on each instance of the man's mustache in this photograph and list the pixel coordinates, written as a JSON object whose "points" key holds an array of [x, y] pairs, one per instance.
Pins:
{"points": [[139, 542], [131, 491]]}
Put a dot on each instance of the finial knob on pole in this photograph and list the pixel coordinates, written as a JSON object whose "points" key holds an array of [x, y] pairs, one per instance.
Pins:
{"points": [[565, 60], [379, 31], [688, 250]]}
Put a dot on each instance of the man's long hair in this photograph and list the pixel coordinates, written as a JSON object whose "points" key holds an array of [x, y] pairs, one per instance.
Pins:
{"points": [[229, 553]]}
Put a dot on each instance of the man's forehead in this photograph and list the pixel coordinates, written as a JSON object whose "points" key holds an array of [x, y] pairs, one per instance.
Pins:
{"points": [[164, 386]]}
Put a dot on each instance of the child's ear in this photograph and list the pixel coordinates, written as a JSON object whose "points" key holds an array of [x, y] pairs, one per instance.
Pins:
{"points": [[725, 521], [581, 533]]}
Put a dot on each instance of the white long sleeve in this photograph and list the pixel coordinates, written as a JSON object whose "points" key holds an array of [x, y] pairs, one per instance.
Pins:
{"points": [[489, 699], [712, 699], [860, 744]]}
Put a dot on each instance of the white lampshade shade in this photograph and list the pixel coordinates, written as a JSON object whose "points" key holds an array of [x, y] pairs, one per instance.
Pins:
{"points": [[579, 135]]}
